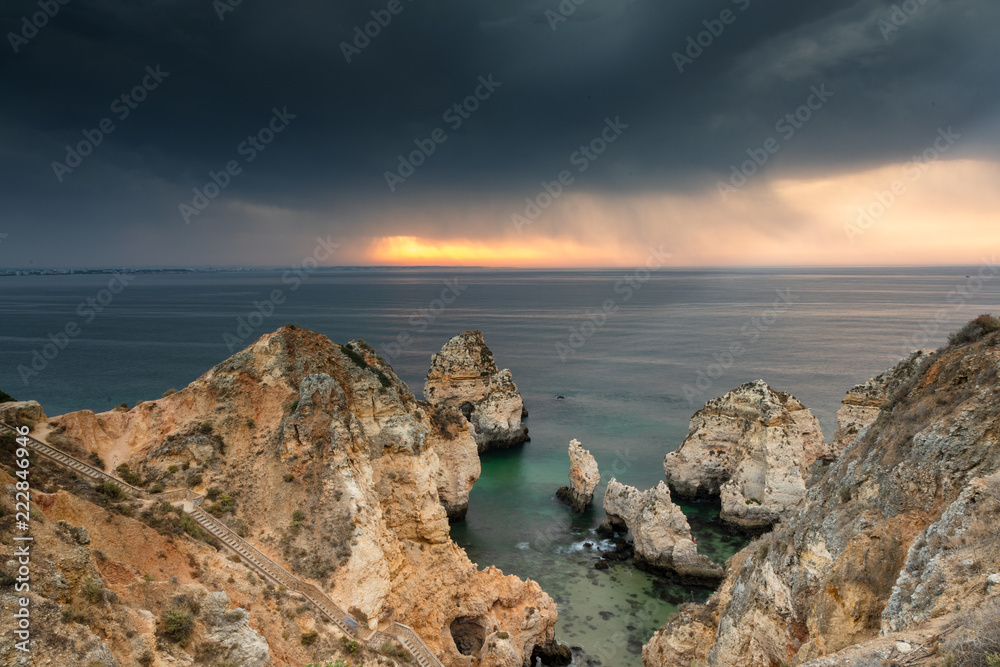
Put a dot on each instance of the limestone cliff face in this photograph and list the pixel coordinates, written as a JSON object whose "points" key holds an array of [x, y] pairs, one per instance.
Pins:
{"points": [[584, 477], [895, 544], [327, 463], [861, 405], [21, 412], [660, 531], [463, 375], [753, 448]]}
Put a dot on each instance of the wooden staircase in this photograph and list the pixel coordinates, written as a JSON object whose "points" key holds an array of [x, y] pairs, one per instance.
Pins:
{"points": [[191, 502]]}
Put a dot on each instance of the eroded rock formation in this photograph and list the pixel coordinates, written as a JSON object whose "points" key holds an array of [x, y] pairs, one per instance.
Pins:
{"points": [[892, 549], [464, 376], [752, 447], [327, 463], [660, 532], [584, 477], [863, 401]]}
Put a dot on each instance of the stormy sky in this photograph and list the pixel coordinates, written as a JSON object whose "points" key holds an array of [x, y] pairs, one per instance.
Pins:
{"points": [[729, 132]]}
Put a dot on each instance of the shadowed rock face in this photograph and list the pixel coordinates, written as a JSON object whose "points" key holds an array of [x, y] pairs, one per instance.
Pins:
{"points": [[751, 447], [894, 544], [299, 430], [464, 376], [660, 531], [583, 476]]}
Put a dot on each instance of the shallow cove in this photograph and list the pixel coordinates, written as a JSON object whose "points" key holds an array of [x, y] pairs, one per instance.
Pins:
{"points": [[516, 523]]}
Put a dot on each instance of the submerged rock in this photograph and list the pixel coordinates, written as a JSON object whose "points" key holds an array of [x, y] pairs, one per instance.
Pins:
{"points": [[463, 375], [751, 447], [660, 532], [583, 476]]}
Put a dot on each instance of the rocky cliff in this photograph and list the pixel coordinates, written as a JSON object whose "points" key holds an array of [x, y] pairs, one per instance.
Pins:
{"points": [[863, 401], [324, 460], [889, 559], [753, 448], [660, 532], [584, 477], [464, 376]]}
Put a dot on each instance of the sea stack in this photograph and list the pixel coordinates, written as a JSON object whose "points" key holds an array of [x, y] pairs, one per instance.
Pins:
{"points": [[464, 376], [324, 461], [584, 477], [751, 447], [660, 531]]}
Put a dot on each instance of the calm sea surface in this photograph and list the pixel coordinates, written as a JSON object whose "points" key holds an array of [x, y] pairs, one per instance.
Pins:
{"points": [[631, 361]]}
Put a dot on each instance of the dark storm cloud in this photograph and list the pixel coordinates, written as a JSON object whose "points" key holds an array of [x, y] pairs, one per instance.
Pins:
{"points": [[892, 90]]}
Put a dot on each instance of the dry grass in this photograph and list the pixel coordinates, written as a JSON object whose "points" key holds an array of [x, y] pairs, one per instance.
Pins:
{"points": [[978, 642]]}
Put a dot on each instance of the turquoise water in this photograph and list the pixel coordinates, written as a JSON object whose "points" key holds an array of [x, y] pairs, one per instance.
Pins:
{"points": [[624, 388]]}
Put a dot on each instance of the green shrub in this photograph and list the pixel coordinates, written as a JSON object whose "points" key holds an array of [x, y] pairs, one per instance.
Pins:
{"points": [[6, 398], [127, 475], [350, 645], [394, 650], [111, 490], [178, 625], [169, 392], [93, 591], [205, 428], [309, 638], [96, 460], [975, 330], [295, 406], [156, 488], [213, 493], [289, 477], [172, 469], [191, 527]]}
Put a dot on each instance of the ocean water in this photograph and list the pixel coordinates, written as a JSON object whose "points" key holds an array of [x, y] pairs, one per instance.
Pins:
{"points": [[616, 359]]}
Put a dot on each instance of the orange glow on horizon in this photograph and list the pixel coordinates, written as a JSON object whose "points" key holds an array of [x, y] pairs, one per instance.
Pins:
{"points": [[521, 252]]}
